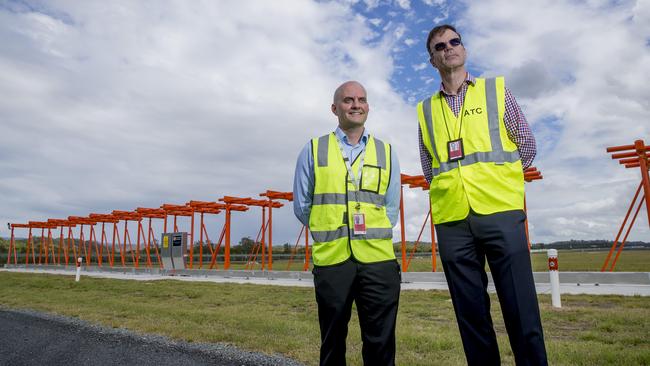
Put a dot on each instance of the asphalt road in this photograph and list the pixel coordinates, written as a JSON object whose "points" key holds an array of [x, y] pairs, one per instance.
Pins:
{"points": [[31, 338]]}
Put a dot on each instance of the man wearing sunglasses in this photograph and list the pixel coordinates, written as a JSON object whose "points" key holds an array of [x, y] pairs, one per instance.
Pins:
{"points": [[474, 144]]}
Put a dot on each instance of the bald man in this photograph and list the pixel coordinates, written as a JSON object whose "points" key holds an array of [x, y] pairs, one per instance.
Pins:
{"points": [[347, 190]]}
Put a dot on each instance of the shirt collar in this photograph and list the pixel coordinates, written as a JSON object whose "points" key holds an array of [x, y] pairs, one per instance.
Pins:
{"points": [[343, 137], [469, 79]]}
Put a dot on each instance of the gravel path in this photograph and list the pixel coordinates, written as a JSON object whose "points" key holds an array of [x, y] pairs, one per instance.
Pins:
{"points": [[33, 338]]}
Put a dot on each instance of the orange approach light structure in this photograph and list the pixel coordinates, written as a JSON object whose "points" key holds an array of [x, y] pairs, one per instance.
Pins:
{"points": [[87, 249], [416, 181], [45, 244], [103, 219], [271, 196], [530, 174], [127, 216], [275, 195], [69, 245], [261, 235], [231, 205], [61, 223], [12, 242], [151, 213], [204, 207], [631, 156]]}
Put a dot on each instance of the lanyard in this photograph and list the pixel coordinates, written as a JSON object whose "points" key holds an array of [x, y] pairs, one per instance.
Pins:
{"points": [[459, 118], [351, 177]]}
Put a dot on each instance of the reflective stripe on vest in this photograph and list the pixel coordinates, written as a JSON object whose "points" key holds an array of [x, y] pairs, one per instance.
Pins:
{"points": [[342, 232], [340, 198]]}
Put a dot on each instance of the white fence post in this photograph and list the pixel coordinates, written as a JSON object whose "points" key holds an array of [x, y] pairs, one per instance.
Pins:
{"points": [[555, 278], [76, 279]]}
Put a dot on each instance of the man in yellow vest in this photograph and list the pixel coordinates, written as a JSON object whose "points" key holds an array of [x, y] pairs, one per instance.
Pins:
{"points": [[347, 191], [474, 144]]}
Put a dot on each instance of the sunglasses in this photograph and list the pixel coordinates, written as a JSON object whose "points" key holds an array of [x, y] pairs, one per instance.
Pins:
{"points": [[441, 46]]}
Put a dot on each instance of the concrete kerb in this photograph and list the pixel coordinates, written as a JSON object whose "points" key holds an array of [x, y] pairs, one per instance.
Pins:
{"points": [[589, 283]]}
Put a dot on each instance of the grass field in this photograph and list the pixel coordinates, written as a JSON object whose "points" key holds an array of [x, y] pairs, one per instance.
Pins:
{"points": [[573, 261], [588, 330]]}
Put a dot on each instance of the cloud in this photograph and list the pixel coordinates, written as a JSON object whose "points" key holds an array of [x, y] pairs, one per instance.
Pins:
{"points": [[375, 21], [404, 4], [434, 2], [371, 4], [421, 66], [399, 31], [128, 104]]}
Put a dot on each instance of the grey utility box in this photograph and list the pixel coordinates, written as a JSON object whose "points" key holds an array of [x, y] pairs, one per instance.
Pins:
{"points": [[174, 247]]}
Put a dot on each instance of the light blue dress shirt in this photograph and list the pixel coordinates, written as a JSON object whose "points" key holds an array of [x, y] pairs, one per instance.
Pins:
{"points": [[303, 181]]}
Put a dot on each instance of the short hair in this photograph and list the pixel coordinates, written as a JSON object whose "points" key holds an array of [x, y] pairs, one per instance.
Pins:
{"points": [[337, 92], [439, 30]]}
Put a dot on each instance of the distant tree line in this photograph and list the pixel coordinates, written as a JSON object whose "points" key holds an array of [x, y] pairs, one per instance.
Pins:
{"points": [[244, 246], [589, 244]]}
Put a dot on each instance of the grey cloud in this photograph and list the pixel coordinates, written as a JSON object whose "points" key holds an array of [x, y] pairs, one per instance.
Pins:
{"points": [[125, 105], [532, 79]]}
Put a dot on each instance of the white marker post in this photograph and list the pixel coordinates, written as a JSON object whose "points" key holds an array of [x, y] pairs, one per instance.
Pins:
{"points": [[76, 279], [555, 278]]}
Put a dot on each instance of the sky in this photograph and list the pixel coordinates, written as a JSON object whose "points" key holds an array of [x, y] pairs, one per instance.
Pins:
{"points": [[123, 104]]}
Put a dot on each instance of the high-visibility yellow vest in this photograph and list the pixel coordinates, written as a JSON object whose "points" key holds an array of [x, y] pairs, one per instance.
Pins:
{"points": [[334, 204], [490, 177]]}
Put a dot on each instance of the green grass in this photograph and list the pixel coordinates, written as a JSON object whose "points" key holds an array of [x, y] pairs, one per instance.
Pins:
{"points": [[570, 261], [588, 330]]}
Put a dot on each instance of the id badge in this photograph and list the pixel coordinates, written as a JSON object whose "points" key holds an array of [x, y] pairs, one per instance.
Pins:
{"points": [[455, 150], [359, 223]]}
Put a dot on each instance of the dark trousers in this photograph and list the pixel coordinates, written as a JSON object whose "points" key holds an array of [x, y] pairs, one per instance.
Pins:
{"points": [[375, 290], [501, 238]]}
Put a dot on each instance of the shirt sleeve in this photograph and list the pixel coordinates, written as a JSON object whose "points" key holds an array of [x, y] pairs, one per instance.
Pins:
{"points": [[425, 157], [303, 185], [393, 193], [519, 131]]}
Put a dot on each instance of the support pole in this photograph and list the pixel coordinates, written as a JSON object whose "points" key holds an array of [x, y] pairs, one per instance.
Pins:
{"points": [[263, 234], [643, 164], [192, 241], [12, 247], [30, 243], [270, 251], [226, 260], [201, 243], [402, 230], [620, 230], [434, 251], [307, 250], [629, 228]]}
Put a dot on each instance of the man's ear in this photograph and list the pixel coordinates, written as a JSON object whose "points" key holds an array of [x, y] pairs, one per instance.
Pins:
{"points": [[432, 62], [334, 109]]}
